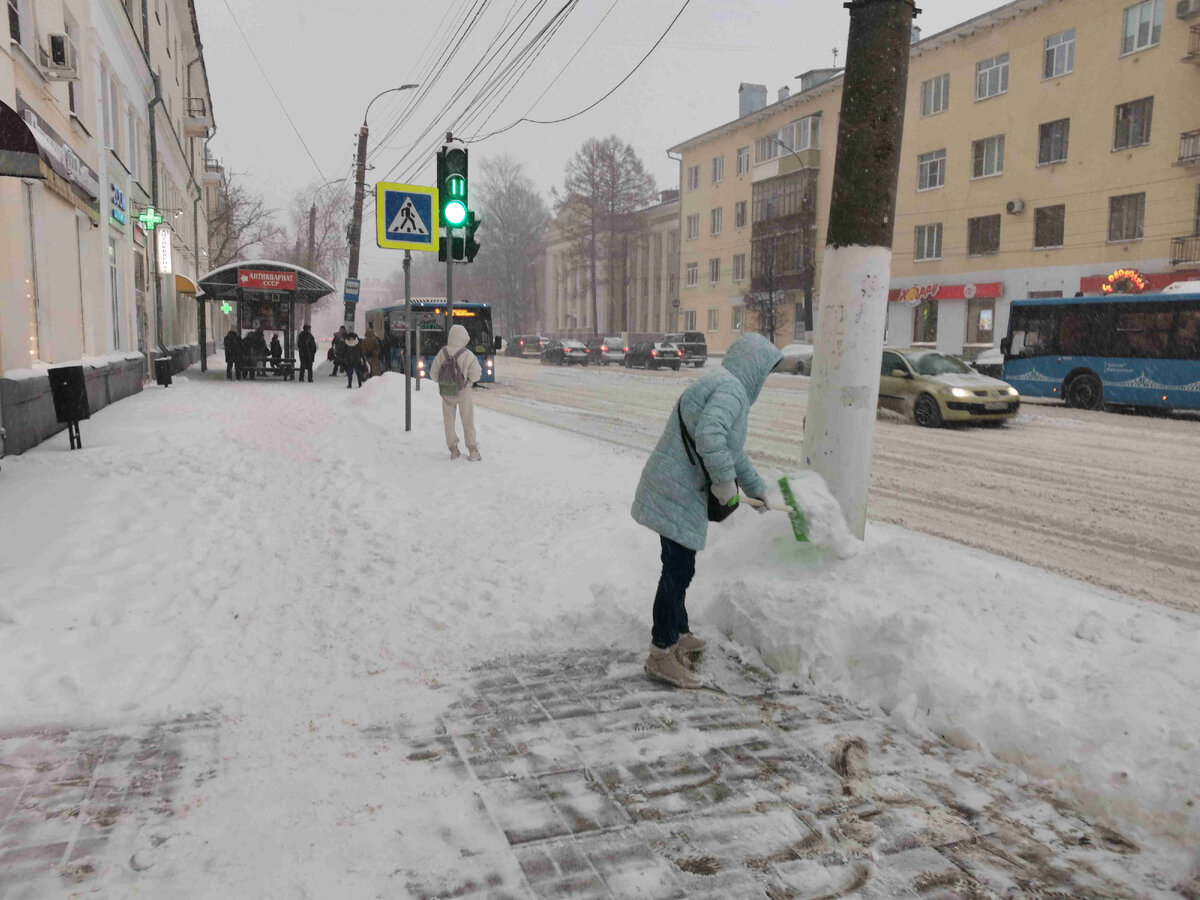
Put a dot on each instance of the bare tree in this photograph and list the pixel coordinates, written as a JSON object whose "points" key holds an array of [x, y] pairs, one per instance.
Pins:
{"points": [[605, 183], [314, 234], [238, 223]]}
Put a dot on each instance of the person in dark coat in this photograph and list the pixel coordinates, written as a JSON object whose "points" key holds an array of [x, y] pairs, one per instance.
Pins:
{"points": [[233, 354], [352, 357], [386, 343], [276, 351], [339, 350], [371, 350], [306, 346]]}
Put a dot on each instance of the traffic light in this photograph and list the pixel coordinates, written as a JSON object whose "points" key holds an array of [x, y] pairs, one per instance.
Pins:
{"points": [[452, 184], [456, 248], [471, 245]]}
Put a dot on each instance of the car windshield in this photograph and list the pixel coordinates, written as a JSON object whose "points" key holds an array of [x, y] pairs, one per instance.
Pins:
{"points": [[937, 364]]}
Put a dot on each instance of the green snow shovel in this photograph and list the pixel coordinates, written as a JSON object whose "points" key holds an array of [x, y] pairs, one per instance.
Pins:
{"points": [[793, 511]]}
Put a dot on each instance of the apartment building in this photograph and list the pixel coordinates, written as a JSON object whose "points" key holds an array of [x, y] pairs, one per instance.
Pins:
{"points": [[1047, 143], [115, 94]]}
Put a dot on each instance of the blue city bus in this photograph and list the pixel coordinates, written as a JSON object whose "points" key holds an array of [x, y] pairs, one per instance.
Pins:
{"points": [[429, 322], [1128, 350]]}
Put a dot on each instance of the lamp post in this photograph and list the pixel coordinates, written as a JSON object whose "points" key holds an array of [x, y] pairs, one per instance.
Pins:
{"points": [[359, 185]]}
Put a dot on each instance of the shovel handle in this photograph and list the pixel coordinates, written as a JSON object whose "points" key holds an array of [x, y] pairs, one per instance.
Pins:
{"points": [[756, 503]]}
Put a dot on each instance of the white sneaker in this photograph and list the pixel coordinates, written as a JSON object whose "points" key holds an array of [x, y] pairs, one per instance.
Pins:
{"points": [[474, 456], [666, 665]]}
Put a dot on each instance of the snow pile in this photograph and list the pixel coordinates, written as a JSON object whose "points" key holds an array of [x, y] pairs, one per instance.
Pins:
{"points": [[825, 526], [1085, 687]]}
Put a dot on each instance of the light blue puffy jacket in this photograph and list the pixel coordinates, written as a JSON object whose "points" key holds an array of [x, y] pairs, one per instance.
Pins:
{"points": [[671, 498]]}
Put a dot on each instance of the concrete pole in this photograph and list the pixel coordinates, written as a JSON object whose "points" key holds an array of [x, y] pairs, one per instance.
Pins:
{"points": [[360, 174], [839, 430], [311, 263]]}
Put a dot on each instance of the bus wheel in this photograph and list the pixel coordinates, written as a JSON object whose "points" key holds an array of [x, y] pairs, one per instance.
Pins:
{"points": [[926, 412], [1085, 392]]}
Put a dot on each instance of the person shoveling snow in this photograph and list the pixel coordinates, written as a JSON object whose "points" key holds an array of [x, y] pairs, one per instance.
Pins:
{"points": [[692, 478]]}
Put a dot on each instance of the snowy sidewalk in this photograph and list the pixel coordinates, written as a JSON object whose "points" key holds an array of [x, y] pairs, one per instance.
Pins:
{"points": [[256, 641]]}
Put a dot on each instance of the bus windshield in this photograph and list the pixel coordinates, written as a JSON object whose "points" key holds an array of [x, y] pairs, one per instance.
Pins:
{"points": [[432, 328]]}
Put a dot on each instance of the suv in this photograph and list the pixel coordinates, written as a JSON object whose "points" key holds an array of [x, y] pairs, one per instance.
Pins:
{"points": [[654, 355], [606, 350], [526, 345], [693, 345]]}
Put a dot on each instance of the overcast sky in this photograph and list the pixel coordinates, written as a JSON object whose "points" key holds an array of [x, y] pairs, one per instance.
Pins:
{"points": [[327, 59]]}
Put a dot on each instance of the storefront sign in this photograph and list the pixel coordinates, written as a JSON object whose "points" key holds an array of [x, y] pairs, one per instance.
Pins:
{"points": [[118, 205], [63, 160], [987, 290], [1152, 283], [1124, 281], [262, 280], [164, 250]]}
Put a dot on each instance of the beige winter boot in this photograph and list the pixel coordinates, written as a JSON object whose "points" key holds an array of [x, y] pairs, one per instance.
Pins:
{"points": [[666, 665], [690, 643]]}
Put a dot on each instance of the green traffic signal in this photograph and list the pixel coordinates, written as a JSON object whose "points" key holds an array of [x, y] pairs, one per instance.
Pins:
{"points": [[455, 208], [452, 184]]}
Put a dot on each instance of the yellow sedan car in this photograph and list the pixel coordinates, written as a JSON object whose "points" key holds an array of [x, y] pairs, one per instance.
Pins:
{"points": [[933, 388]]}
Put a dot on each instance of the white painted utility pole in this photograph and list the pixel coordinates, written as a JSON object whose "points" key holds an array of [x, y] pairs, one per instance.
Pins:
{"points": [[839, 430]]}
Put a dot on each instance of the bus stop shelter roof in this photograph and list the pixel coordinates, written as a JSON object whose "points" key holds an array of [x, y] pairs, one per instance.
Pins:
{"points": [[223, 284]]}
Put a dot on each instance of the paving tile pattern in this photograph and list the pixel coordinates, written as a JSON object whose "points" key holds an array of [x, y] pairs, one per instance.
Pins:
{"points": [[742, 794], [71, 799]]}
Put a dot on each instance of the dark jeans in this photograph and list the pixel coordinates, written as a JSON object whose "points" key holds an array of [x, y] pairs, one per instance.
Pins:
{"points": [[306, 366], [229, 363], [351, 371], [670, 615]]}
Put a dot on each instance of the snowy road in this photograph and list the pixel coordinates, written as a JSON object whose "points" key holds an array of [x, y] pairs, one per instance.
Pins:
{"points": [[1108, 498]]}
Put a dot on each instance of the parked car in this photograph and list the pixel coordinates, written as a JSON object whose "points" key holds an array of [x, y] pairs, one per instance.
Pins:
{"points": [[565, 353], [605, 350], [654, 355], [797, 359], [526, 345], [990, 362], [693, 345], [933, 388]]}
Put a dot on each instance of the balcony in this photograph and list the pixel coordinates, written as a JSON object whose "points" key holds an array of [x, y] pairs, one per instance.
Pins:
{"points": [[1185, 249], [214, 172], [196, 120], [1189, 148], [1193, 46]]}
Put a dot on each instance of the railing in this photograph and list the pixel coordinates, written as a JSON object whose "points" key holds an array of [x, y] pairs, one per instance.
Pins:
{"points": [[1189, 147], [1194, 45], [1185, 249]]}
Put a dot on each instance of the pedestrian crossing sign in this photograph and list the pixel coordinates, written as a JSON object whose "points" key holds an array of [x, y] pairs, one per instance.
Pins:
{"points": [[406, 216]]}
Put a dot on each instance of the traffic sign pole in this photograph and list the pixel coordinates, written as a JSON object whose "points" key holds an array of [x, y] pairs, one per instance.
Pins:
{"points": [[408, 357]]}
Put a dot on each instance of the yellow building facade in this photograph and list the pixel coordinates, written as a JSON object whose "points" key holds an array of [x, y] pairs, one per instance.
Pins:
{"points": [[1047, 144]]}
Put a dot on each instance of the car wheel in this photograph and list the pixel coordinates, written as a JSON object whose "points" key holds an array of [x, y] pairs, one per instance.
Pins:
{"points": [[1084, 392], [677, 365], [926, 412]]}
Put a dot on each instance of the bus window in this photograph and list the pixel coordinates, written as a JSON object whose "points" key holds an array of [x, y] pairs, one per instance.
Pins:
{"points": [[1081, 330], [1187, 334], [1034, 331], [1141, 333]]}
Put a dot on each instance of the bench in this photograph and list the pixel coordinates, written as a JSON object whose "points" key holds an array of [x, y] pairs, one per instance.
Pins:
{"points": [[286, 368]]}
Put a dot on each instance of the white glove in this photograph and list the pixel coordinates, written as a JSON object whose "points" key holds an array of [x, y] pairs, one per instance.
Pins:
{"points": [[763, 500], [726, 492]]}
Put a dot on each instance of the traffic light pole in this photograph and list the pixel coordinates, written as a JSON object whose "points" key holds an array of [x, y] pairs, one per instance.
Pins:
{"points": [[839, 430], [360, 174], [449, 280]]}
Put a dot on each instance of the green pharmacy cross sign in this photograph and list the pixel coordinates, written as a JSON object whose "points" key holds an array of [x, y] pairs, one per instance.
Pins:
{"points": [[226, 308], [150, 219]]}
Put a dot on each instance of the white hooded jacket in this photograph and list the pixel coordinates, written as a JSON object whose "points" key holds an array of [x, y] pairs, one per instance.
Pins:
{"points": [[467, 362]]}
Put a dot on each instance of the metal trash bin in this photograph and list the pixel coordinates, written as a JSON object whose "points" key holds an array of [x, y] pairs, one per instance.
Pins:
{"points": [[162, 371]]}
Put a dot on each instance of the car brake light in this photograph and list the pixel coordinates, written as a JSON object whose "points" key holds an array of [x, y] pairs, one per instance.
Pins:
{"points": [[681, 353], [603, 348], [626, 350], [654, 353]]}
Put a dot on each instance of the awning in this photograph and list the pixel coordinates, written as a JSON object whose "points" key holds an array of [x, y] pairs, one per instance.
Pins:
{"points": [[20, 155], [185, 285], [263, 278]]}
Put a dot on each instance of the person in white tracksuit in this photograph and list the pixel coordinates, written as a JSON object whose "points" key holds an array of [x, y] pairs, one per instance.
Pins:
{"points": [[456, 348]]}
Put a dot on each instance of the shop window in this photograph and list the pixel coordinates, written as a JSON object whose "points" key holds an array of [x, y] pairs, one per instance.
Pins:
{"points": [[925, 316], [981, 321]]}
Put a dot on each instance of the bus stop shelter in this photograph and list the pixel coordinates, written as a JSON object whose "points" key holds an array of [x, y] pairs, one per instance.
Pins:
{"points": [[266, 295]]}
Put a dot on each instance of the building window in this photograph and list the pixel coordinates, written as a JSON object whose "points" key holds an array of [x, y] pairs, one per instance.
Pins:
{"points": [[1126, 215], [14, 20], [689, 320], [928, 242], [691, 274], [809, 129], [981, 321], [714, 319], [738, 317], [718, 169], [983, 235], [1049, 224], [693, 226], [991, 77], [925, 316], [1143, 26], [113, 282], [987, 157], [714, 270], [693, 177], [1052, 141], [931, 170], [1059, 57], [739, 214], [743, 160], [739, 267], [935, 95], [765, 149], [1132, 127], [715, 217]]}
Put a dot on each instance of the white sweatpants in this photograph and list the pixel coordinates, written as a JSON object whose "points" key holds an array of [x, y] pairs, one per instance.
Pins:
{"points": [[465, 404]]}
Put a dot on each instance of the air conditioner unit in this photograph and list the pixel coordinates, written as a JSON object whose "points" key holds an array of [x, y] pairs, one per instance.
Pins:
{"points": [[1012, 207], [62, 62], [1185, 9]]}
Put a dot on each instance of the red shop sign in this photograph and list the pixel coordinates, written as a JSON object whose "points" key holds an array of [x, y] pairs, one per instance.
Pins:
{"points": [[262, 280], [982, 290], [1153, 283]]}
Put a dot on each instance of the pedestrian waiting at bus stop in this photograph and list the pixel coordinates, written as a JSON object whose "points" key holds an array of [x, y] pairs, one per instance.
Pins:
{"points": [[454, 370]]}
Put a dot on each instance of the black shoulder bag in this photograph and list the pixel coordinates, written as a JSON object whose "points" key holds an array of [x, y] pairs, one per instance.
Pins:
{"points": [[717, 512]]}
